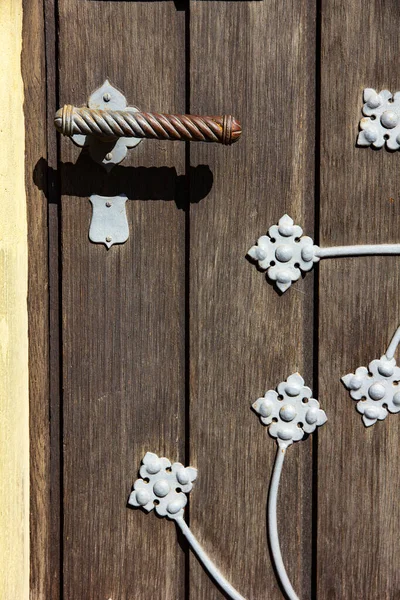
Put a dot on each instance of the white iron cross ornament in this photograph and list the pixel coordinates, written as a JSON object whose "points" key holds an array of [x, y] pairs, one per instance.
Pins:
{"points": [[381, 122], [285, 253], [163, 486], [290, 412], [377, 388]]}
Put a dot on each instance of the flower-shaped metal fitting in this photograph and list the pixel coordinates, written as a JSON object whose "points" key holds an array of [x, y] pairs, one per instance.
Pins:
{"points": [[377, 389], [290, 411], [381, 122], [284, 253], [163, 486]]}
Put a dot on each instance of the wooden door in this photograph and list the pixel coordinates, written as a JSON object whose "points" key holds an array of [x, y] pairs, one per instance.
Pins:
{"points": [[162, 343]]}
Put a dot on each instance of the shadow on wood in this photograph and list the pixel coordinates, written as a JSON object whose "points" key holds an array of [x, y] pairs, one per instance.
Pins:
{"points": [[85, 178]]}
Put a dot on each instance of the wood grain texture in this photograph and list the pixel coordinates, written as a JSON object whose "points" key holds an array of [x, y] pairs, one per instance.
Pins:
{"points": [[14, 348], [54, 252], [358, 474], [34, 77], [123, 309], [254, 60]]}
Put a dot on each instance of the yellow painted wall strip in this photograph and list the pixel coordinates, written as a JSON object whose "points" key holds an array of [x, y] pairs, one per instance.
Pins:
{"points": [[14, 398]]}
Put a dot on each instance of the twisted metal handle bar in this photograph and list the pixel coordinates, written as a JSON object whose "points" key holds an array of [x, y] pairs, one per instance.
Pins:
{"points": [[112, 124]]}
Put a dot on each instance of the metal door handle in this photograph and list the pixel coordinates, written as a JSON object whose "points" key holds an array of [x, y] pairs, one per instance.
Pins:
{"points": [[108, 126], [112, 124]]}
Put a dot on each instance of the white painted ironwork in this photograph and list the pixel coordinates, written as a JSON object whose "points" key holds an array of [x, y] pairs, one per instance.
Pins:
{"points": [[163, 487], [381, 121], [108, 224], [290, 412], [377, 387], [285, 253]]}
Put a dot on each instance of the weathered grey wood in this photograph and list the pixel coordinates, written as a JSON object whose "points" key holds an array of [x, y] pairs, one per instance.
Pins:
{"points": [[254, 60], [34, 77], [123, 310], [358, 474]]}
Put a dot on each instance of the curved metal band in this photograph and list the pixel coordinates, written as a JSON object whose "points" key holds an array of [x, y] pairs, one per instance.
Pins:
{"points": [[112, 124], [273, 535]]}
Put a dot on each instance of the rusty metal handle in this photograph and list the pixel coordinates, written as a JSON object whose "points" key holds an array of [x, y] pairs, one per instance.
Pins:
{"points": [[108, 126], [112, 124]]}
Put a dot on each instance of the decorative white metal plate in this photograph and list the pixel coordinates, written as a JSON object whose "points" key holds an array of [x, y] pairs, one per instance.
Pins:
{"points": [[376, 388], [381, 122], [285, 253], [290, 411], [109, 224], [163, 486]]}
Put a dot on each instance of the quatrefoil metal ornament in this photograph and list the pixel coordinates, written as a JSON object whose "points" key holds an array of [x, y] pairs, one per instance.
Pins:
{"points": [[377, 387], [164, 486], [289, 412], [381, 121], [285, 253]]}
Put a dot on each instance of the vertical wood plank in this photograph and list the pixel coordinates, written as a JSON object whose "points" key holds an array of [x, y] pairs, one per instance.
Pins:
{"points": [[123, 309], [55, 354], [254, 60], [358, 475], [34, 77]]}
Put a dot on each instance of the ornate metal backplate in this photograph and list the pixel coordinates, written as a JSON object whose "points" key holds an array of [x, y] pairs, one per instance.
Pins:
{"points": [[107, 153]]}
